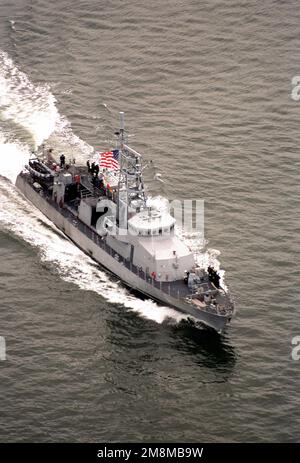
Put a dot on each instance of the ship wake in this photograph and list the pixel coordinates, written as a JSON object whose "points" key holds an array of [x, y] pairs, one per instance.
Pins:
{"points": [[28, 117]]}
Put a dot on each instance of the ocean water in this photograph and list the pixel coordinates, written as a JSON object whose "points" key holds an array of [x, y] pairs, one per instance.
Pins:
{"points": [[206, 88]]}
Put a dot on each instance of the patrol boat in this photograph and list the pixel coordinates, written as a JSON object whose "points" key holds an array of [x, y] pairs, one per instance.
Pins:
{"points": [[103, 209]]}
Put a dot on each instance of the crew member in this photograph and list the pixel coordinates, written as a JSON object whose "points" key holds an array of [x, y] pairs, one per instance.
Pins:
{"points": [[210, 270], [62, 161], [213, 277], [186, 278], [94, 180], [216, 281]]}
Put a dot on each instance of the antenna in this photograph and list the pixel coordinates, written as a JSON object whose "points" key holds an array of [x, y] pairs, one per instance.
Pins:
{"points": [[122, 120], [121, 161]]}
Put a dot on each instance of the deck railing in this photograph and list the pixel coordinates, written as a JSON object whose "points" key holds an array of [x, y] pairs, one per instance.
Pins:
{"points": [[173, 289]]}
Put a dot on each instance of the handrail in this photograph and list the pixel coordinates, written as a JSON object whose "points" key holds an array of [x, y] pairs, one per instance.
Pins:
{"points": [[166, 287]]}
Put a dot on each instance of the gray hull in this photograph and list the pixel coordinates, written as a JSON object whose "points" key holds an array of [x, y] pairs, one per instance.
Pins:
{"points": [[90, 247]]}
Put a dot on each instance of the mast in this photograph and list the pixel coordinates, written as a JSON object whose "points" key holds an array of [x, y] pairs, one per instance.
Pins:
{"points": [[130, 183], [122, 148], [121, 174]]}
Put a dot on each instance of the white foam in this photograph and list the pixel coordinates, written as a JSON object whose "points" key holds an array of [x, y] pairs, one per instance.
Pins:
{"points": [[13, 157], [70, 143], [12, 24], [32, 107]]}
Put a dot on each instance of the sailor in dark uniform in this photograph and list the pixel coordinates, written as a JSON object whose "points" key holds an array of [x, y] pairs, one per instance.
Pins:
{"points": [[216, 281], [213, 277], [62, 161], [210, 270], [186, 277]]}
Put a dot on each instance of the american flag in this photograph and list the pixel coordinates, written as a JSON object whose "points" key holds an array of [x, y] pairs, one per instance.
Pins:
{"points": [[109, 159]]}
